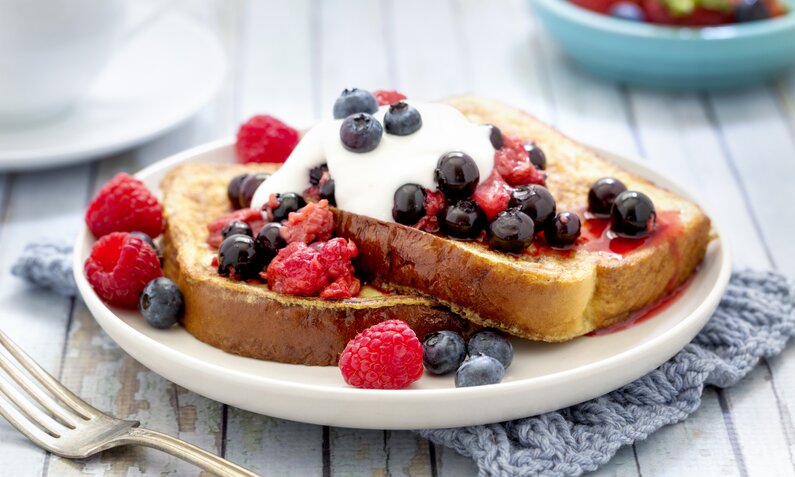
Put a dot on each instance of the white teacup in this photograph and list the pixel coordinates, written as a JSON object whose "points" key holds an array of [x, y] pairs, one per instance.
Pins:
{"points": [[50, 53]]}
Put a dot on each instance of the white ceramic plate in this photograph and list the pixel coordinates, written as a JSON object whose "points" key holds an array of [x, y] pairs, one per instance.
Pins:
{"points": [[543, 377], [158, 79]]}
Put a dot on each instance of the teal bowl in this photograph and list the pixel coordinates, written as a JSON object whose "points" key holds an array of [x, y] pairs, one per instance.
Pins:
{"points": [[670, 57]]}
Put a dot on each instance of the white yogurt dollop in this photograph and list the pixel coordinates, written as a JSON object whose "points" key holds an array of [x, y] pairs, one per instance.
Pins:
{"points": [[365, 183]]}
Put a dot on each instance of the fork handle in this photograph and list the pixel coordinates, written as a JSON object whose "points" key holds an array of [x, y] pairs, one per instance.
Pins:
{"points": [[185, 451]]}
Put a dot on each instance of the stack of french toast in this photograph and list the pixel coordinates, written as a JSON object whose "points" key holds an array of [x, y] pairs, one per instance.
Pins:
{"points": [[430, 280]]}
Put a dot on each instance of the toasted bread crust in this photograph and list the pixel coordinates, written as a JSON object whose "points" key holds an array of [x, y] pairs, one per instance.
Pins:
{"points": [[547, 298], [248, 319]]}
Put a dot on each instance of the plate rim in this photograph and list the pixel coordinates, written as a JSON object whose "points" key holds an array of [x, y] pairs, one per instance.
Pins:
{"points": [[415, 396]]}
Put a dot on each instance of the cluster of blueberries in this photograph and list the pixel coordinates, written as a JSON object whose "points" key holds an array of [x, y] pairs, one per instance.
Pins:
{"points": [[631, 213], [490, 354]]}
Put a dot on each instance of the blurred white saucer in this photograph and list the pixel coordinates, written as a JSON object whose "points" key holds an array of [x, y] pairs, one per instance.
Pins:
{"points": [[160, 78]]}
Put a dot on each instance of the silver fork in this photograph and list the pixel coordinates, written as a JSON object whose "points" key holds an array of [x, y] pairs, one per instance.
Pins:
{"points": [[72, 428]]}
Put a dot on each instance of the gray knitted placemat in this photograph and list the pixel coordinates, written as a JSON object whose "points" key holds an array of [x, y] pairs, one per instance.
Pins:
{"points": [[754, 320]]}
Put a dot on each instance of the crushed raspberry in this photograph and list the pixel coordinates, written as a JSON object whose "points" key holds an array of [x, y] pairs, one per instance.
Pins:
{"points": [[313, 222], [493, 195], [322, 269], [387, 355], [264, 138], [252, 217], [124, 205], [434, 203], [119, 267], [386, 97], [513, 164]]}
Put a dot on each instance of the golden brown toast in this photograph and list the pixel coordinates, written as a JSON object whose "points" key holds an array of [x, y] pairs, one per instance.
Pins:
{"points": [[250, 320], [551, 296]]}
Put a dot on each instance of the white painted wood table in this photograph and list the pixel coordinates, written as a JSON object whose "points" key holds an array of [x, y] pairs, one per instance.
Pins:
{"points": [[291, 59]]}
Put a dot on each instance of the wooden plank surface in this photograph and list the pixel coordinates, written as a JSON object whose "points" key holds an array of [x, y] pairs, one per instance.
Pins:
{"points": [[736, 151]]}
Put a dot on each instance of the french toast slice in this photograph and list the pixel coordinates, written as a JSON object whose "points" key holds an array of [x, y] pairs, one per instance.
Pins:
{"points": [[247, 318], [546, 296]]}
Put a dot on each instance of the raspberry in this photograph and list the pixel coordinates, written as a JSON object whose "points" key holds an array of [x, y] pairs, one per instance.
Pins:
{"points": [[513, 164], [313, 222], [322, 269], [265, 139], [252, 217], [493, 195], [434, 203], [384, 356], [124, 205], [119, 267], [386, 97]]}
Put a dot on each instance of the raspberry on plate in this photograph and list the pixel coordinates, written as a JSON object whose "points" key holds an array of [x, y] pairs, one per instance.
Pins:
{"points": [[264, 138], [119, 267], [124, 205], [384, 356], [386, 97]]}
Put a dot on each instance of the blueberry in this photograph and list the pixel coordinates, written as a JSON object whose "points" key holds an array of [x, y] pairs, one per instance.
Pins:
{"points": [[352, 101], [535, 201], [536, 155], [633, 215], [511, 231], [462, 220], [479, 370], [146, 238], [316, 173], [563, 230], [233, 190], [161, 303], [457, 175], [360, 133], [402, 119], [495, 136], [269, 241], [409, 204], [491, 343], [288, 202], [326, 191], [236, 227], [238, 257], [443, 351], [751, 11], [602, 195], [249, 186], [628, 11]]}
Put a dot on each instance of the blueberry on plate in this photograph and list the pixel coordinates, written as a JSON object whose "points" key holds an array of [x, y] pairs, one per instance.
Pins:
{"points": [[495, 136], [146, 238], [316, 173], [457, 175], [602, 195], [233, 190], [249, 186], [409, 204], [479, 370], [491, 343], [352, 101], [563, 230], [535, 201], [627, 11], [462, 220], [511, 231], [287, 202], [402, 119], [238, 257], [536, 155], [443, 351], [269, 241], [633, 215], [161, 303], [236, 227], [751, 11], [360, 133]]}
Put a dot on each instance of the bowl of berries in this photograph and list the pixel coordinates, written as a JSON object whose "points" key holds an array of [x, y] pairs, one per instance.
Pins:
{"points": [[674, 44]]}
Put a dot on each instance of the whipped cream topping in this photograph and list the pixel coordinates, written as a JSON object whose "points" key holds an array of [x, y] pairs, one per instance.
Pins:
{"points": [[365, 183]]}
